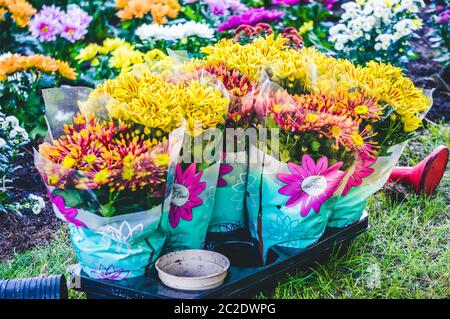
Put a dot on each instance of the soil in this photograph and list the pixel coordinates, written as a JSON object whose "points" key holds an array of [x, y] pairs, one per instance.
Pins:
{"points": [[21, 233], [428, 74]]}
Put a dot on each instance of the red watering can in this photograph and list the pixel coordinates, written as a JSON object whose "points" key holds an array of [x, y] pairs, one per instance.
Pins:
{"points": [[426, 175]]}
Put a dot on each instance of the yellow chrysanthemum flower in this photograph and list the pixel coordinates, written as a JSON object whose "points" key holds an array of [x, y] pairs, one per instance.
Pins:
{"points": [[88, 52]]}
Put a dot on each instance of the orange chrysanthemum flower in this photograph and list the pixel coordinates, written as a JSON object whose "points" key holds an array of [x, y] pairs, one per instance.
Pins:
{"points": [[21, 11], [159, 9], [95, 153], [17, 63], [321, 115]]}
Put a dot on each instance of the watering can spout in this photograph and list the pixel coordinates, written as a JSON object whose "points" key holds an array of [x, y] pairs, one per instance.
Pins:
{"points": [[426, 175]]}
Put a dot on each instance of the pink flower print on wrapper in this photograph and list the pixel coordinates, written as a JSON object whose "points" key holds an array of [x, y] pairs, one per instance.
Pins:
{"points": [[110, 273], [223, 170], [186, 188], [310, 185], [363, 169], [68, 213]]}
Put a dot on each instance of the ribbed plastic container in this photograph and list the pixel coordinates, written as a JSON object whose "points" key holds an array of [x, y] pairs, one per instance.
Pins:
{"points": [[43, 287]]}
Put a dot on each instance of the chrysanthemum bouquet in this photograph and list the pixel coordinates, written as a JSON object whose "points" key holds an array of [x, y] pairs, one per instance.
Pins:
{"points": [[161, 104], [335, 131], [238, 67], [108, 177], [376, 30]]}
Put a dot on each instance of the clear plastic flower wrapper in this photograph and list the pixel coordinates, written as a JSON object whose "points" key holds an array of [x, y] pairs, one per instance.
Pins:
{"points": [[333, 137], [229, 211], [239, 68], [160, 96], [109, 178], [366, 176], [199, 168]]}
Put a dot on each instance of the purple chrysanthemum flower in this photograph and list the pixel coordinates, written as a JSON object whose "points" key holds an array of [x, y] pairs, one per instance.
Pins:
{"points": [[287, 2], [225, 7], [329, 4], [46, 23], [251, 16], [75, 23], [444, 17]]}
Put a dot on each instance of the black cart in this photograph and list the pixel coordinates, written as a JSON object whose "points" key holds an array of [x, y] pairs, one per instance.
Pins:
{"points": [[244, 280]]}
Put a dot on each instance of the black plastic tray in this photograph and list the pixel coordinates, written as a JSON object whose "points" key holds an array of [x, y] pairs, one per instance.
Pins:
{"points": [[243, 280]]}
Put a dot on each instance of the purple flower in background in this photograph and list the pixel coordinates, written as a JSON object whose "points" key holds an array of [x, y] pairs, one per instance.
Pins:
{"points": [[225, 7], [46, 23], [75, 23], [329, 3], [51, 22], [251, 16], [444, 17], [287, 2]]}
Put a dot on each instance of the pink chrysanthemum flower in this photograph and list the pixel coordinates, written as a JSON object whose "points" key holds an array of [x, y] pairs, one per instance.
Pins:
{"points": [[75, 23], [311, 184], [186, 188], [46, 24], [362, 170]]}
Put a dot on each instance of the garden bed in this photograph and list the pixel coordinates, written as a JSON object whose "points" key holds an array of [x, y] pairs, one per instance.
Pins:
{"points": [[19, 233]]}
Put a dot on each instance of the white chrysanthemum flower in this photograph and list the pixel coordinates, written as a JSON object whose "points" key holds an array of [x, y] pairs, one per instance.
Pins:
{"points": [[40, 201], [2, 142], [337, 29], [174, 32], [339, 46], [12, 134], [36, 209], [11, 120]]}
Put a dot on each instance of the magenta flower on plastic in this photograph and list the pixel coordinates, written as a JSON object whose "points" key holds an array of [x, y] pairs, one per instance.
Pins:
{"points": [[69, 214], [251, 16], [362, 170], [46, 24], [75, 23], [186, 188], [311, 184]]}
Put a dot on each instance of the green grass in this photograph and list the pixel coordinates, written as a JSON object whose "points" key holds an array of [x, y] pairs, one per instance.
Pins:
{"points": [[54, 258], [405, 254]]}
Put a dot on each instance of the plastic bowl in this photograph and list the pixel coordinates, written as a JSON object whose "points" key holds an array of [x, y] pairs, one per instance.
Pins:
{"points": [[192, 269]]}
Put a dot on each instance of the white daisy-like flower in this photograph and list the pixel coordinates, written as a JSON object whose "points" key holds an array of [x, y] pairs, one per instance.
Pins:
{"points": [[11, 120], [175, 32], [36, 209], [2, 142], [12, 134]]}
